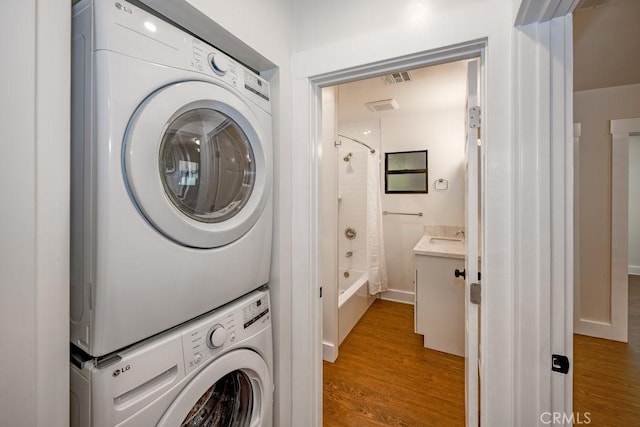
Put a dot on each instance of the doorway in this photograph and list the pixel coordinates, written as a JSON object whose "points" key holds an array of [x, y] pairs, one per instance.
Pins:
{"points": [[358, 135], [607, 359], [605, 292]]}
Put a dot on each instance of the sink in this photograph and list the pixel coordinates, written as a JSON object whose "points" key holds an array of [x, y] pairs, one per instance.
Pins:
{"points": [[446, 241]]}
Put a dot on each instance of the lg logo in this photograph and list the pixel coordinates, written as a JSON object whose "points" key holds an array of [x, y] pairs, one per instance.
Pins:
{"points": [[123, 7], [119, 371]]}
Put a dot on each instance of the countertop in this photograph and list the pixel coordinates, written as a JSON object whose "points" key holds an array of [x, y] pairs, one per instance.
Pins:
{"points": [[440, 249]]}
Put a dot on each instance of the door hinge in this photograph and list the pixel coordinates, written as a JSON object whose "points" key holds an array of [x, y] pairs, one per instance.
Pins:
{"points": [[560, 363], [474, 293], [475, 117]]}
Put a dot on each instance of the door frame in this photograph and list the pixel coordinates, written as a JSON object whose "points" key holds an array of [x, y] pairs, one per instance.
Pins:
{"points": [[306, 251]]}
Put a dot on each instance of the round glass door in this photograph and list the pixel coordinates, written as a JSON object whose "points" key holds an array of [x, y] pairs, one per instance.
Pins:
{"points": [[197, 163], [227, 403], [206, 165]]}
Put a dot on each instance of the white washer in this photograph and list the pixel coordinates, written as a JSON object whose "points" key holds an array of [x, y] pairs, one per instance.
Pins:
{"points": [[213, 371], [171, 177]]}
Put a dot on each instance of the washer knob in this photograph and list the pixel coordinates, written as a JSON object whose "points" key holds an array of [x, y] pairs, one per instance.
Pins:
{"points": [[219, 64], [217, 336]]}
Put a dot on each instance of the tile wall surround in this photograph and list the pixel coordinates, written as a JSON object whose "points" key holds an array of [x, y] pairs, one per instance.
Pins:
{"points": [[352, 208]]}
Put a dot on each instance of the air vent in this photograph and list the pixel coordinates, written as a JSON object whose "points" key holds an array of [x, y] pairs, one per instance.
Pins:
{"points": [[393, 78], [382, 105]]}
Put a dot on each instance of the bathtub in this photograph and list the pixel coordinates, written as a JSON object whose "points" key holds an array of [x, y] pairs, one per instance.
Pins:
{"points": [[353, 300]]}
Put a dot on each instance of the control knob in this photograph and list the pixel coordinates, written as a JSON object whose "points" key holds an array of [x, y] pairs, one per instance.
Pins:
{"points": [[219, 63], [217, 336]]}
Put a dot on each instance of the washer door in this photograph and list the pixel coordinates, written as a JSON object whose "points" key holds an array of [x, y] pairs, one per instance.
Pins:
{"points": [[195, 165], [235, 390]]}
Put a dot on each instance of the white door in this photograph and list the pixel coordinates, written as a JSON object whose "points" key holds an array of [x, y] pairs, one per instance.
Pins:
{"points": [[195, 166], [471, 260]]}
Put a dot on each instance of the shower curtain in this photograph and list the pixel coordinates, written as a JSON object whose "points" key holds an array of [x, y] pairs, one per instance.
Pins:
{"points": [[376, 261]]}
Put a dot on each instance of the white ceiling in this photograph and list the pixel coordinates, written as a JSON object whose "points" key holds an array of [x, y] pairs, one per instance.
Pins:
{"points": [[438, 87], [606, 44]]}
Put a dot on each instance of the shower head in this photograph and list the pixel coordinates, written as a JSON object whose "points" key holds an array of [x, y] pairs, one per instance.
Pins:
{"points": [[347, 157]]}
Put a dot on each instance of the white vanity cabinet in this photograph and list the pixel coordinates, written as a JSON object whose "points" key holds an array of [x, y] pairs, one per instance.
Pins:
{"points": [[439, 312]]}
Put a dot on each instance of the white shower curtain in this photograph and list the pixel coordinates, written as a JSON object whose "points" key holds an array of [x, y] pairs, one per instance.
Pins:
{"points": [[376, 261]]}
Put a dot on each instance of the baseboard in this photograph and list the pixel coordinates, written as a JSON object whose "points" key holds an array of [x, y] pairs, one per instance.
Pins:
{"points": [[634, 269], [397, 295], [329, 352]]}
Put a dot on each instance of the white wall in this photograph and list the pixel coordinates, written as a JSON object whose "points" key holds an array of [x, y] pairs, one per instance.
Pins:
{"points": [[634, 204], [334, 36], [606, 45], [266, 27], [442, 133], [594, 109], [34, 225]]}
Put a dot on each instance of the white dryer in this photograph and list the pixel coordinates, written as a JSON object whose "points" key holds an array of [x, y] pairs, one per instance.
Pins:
{"points": [[171, 210], [213, 371]]}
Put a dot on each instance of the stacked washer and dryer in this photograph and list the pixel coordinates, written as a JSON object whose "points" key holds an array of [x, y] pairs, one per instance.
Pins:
{"points": [[171, 227]]}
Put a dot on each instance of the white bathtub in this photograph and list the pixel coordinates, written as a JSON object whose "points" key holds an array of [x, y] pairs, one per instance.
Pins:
{"points": [[353, 300]]}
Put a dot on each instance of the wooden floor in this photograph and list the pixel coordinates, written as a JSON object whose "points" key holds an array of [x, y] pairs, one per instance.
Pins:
{"points": [[606, 380], [385, 377]]}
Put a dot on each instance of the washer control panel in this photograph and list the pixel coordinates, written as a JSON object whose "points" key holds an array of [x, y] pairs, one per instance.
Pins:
{"points": [[224, 327]]}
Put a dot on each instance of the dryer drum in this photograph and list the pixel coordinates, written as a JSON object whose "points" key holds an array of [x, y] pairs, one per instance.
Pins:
{"points": [[207, 165], [227, 403]]}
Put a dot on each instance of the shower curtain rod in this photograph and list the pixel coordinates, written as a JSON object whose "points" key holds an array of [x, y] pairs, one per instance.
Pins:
{"points": [[359, 142]]}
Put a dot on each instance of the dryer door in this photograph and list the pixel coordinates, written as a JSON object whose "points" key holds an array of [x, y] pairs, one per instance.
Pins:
{"points": [[195, 164], [235, 390]]}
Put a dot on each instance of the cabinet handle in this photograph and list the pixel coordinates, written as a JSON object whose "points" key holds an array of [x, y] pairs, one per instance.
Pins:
{"points": [[459, 273]]}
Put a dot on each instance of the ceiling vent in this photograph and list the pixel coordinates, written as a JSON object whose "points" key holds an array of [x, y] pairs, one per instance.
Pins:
{"points": [[393, 78], [382, 105]]}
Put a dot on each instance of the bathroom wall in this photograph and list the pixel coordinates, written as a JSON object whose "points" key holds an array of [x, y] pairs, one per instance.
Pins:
{"points": [[634, 205], [431, 116], [594, 109], [442, 134]]}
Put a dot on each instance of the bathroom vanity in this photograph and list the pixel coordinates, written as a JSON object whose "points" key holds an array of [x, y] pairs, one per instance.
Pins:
{"points": [[439, 311]]}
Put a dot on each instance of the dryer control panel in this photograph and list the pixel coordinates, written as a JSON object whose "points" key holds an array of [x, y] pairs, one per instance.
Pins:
{"points": [[208, 60], [128, 29], [223, 328]]}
